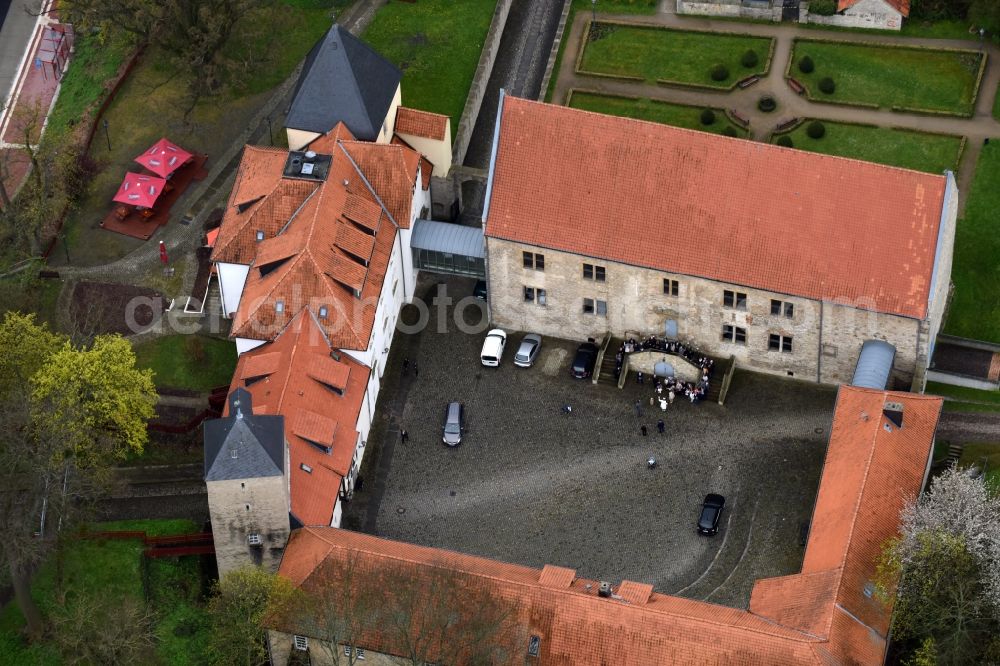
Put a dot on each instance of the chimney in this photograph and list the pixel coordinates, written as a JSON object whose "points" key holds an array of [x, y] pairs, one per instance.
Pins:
{"points": [[604, 590], [893, 411]]}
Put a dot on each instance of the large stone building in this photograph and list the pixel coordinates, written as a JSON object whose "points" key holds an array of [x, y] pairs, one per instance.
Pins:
{"points": [[874, 14], [784, 259], [878, 458]]}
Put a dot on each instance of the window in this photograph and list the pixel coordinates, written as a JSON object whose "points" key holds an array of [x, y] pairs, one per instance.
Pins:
{"points": [[322, 312], [254, 539], [734, 334], [233, 454], [359, 653], [534, 260], [782, 343], [592, 272], [260, 235], [534, 646], [247, 506], [671, 287], [588, 306], [782, 308], [394, 285], [279, 306], [734, 299], [305, 468], [602, 308], [301, 643], [533, 295], [830, 350]]}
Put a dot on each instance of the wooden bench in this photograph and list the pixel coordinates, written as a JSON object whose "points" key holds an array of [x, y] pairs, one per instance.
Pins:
{"points": [[748, 81], [739, 117], [796, 86], [785, 124]]}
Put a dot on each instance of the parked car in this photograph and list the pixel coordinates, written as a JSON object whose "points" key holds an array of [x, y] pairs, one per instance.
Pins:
{"points": [[454, 424], [493, 348], [527, 351], [711, 512], [479, 291], [583, 362]]}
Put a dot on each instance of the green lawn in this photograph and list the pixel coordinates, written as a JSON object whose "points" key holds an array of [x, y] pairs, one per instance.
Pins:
{"points": [[891, 76], [932, 153], [609, 6], [961, 399], [194, 362], [683, 56], [437, 44], [979, 453], [996, 104], [679, 115], [111, 570], [975, 305]]}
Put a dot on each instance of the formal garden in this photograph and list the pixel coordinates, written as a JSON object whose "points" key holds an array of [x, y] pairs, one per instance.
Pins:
{"points": [[682, 57], [922, 151], [904, 78], [712, 120]]}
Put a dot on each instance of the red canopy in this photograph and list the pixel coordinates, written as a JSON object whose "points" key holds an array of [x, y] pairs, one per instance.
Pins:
{"points": [[140, 190], [163, 158]]}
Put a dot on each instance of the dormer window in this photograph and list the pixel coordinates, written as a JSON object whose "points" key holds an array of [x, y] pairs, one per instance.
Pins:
{"points": [[260, 235], [279, 306], [305, 468], [322, 312]]}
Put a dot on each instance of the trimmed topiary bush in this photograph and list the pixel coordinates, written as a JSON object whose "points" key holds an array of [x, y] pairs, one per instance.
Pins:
{"points": [[816, 130], [784, 140], [826, 85], [749, 59], [806, 65], [729, 131], [707, 117], [767, 104], [719, 73]]}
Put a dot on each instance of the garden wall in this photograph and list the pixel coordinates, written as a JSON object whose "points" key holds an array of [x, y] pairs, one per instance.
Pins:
{"points": [[873, 14], [478, 89], [728, 8]]}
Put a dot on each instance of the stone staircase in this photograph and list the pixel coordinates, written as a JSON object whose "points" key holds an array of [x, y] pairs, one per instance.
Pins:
{"points": [[213, 301], [607, 376]]}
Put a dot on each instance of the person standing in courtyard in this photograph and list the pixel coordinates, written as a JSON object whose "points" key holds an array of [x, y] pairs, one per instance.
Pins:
{"points": [[660, 426], [403, 435], [406, 365], [638, 408], [416, 369], [643, 429]]}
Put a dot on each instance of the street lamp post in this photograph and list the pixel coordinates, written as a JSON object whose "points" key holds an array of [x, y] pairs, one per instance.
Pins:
{"points": [[982, 36], [593, 10], [270, 136], [107, 136]]}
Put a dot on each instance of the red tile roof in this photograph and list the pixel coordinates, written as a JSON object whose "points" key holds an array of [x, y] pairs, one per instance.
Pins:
{"points": [[901, 6], [421, 123], [296, 376], [732, 210], [326, 244], [820, 616]]}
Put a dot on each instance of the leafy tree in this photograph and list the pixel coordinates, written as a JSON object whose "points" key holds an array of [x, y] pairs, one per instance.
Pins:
{"points": [[827, 86], [823, 7], [749, 58], [66, 414], [806, 65], [784, 140], [985, 14], [719, 72], [816, 130], [707, 117], [242, 600], [947, 563]]}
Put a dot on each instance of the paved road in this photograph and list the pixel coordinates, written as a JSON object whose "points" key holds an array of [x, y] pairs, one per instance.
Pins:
{"points": [[981, 126], [519, 67], [18, 25]]}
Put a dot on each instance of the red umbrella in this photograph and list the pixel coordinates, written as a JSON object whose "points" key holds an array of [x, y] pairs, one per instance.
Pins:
{"points": [[139, 190], [163, 252], [163, 158]]}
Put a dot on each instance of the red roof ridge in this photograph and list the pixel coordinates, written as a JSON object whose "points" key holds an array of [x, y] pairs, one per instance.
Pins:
{"points": [[421, 123]]}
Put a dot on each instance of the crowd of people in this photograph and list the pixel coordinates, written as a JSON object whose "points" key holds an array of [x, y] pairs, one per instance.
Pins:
{"points": [[668, 388]]}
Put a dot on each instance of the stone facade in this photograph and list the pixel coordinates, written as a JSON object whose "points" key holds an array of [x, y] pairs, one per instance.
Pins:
{"points": [[876, 14], [243, 507], [825, 336], [731, 8], [321, 653]]}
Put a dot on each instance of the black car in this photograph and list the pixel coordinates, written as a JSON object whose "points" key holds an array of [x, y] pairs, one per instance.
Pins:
{"points": [[711, 512], [583, 362], [479, 291]]}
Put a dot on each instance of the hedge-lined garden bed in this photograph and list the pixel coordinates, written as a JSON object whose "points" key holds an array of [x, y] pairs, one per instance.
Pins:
{"points": [[678, 115], [909, 149], [926, 80], [683, 57]]}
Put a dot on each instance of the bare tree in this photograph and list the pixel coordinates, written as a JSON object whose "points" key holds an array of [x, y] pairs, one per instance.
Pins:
{"points": [[346, 606], [96, 629]]}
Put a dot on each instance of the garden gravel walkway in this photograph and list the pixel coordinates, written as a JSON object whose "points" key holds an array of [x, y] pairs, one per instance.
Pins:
{"points": [[790, 105]]}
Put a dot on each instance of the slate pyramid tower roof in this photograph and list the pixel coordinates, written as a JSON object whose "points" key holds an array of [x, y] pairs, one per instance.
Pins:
{"points": [[244, 445], [343, 80]]}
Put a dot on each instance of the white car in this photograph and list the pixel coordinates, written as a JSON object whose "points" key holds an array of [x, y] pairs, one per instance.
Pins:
{"points": [[493, 348]]}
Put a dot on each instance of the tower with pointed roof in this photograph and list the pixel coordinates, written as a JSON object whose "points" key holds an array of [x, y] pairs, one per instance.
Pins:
{"points": [[245, 463]]}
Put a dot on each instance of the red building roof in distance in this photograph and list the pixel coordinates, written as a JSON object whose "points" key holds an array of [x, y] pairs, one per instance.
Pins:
{"points": [[736, 211], [824, 615], [421, 123]]}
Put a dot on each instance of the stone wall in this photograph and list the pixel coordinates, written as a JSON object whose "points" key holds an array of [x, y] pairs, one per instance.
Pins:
{"points": [[728, 8], [826, 336], [233, 522], [477, 91]]}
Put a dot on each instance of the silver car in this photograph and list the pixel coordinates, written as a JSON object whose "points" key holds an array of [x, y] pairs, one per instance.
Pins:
{"points": [[527, 351]]}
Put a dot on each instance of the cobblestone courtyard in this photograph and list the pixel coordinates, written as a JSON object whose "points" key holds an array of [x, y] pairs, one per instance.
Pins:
{"points": [[534, 486]]}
